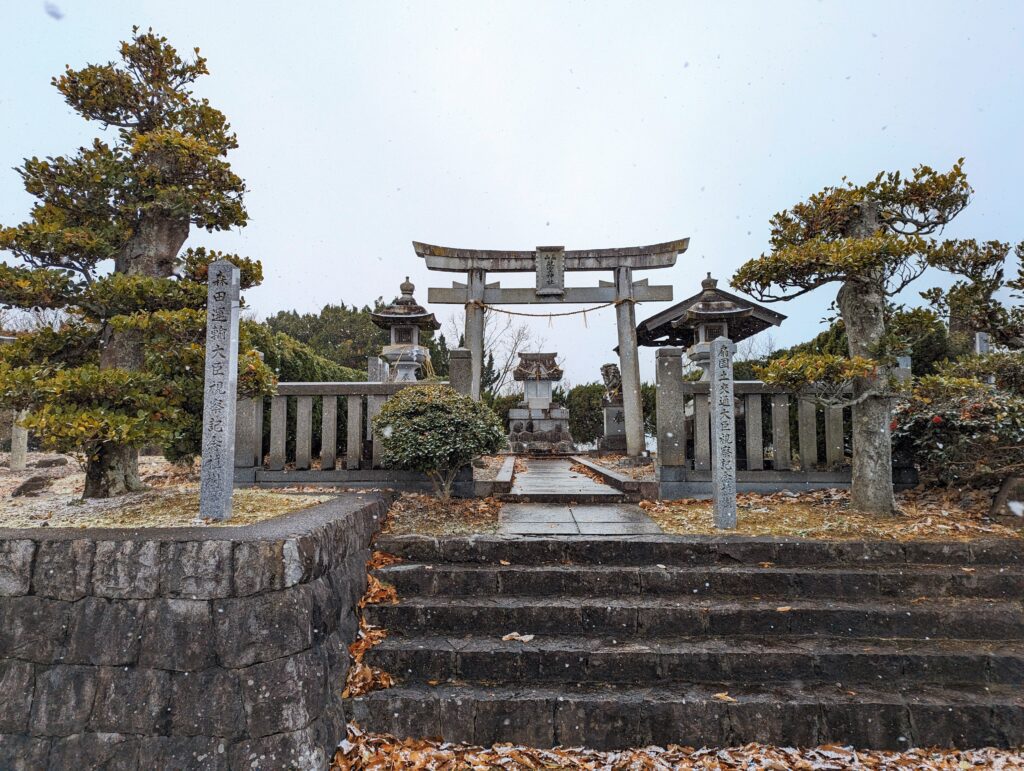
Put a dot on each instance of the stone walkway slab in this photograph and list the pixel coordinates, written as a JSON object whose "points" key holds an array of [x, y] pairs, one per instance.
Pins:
{"points": [[552, 480], [590, 519]]}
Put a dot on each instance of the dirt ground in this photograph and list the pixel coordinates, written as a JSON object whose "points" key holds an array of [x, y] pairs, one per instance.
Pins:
{"points": [[172, 499], [489, 467], [427, 515], [626, 466], [924, 514]]}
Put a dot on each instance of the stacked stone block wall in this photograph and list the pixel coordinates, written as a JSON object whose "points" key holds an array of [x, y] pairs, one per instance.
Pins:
{"points": [[205, 648]]}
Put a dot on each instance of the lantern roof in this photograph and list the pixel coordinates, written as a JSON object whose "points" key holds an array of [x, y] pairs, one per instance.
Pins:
{"points": [[404, 311], [678, 325]]}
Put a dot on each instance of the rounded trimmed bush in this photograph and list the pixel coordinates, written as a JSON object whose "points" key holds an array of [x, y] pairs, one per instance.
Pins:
{"points": [[436, 430]]}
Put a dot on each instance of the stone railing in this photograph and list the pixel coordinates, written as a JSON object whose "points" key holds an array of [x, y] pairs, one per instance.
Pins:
{"points": [[203, 647], [321, 433], [783, 440]]}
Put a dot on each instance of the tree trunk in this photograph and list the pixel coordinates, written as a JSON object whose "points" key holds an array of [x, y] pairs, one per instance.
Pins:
{"points": [[862, 307], [151, 251], [113, 471]]}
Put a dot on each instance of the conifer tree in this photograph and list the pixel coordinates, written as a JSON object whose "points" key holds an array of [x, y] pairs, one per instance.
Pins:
{"points": [[873, 240], [103, 242]]}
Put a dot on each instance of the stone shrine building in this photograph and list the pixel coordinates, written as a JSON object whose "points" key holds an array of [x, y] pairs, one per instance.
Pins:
{"points": [[536, 426], [404, 318]]}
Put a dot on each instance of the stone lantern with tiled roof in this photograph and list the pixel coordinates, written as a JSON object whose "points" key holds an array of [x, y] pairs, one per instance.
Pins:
{"points": [[696, 321], [405, 319]]}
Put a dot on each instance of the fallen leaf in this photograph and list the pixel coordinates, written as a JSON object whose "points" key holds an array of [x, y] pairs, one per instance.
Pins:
{"points": [[723, 696], [519, 637], [784, 609]]}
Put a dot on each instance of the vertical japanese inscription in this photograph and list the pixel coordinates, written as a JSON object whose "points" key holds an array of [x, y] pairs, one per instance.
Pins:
{"points": [[220, 391], [550, 264], [723, 434]]}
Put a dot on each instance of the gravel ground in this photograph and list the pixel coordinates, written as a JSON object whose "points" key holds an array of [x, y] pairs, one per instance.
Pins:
{"points": [[172, 499]]}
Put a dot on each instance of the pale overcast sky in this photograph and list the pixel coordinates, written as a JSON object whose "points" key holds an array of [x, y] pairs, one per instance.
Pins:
{"points": [[364, 126]]}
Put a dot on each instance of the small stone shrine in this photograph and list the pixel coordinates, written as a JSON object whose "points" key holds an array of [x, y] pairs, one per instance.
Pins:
{"points": [[536, 426], [405, 319], [614, 439]]}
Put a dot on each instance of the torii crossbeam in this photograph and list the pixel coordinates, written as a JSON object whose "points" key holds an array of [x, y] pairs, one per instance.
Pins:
{"points": [[550, 263]]}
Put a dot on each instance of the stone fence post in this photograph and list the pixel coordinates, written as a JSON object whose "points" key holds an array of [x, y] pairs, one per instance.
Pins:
{"points": [[19, 442], [669, 400], [249, 433], [460, 370]]}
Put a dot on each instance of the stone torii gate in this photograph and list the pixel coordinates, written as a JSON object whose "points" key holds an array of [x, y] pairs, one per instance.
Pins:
{"points": [[550, 264]]}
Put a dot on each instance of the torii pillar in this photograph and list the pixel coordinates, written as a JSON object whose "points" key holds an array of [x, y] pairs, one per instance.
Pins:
{"points": [[629, 361], [550, 263]]}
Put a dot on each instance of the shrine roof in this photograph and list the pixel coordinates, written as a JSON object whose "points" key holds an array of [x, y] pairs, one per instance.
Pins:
{"points": [[678, 325], [497, 261], [537, 366]]}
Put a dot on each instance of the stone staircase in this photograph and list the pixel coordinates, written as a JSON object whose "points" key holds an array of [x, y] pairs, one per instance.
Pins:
{"points": [[701, 641]]}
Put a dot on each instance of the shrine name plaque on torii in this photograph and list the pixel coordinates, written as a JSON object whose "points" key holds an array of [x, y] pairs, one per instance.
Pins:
{"points": [[550, 264]]}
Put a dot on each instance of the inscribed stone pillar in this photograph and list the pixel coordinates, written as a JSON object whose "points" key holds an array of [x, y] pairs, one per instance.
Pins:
{"points": [[460, 370], [629, 361], [723, 434], [19, 442], [220, 391], [671, 421]]}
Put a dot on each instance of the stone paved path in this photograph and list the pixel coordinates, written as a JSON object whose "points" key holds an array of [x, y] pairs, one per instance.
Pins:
{"points": [[552, 480], [574, 519]]}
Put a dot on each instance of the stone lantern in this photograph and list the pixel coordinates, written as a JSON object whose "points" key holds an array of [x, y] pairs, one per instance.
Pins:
{"points": [[695, 322], [405, 319]]}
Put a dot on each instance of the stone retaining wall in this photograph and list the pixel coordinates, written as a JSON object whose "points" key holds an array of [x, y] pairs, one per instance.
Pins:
{"points": [[205, 648]]}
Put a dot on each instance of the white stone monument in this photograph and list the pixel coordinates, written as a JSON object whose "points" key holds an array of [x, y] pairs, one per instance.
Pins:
{"points": [[723, 434], [220, 391]]}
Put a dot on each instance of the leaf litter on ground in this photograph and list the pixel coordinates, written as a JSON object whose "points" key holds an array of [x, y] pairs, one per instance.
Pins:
{"points": [[381, 752], [923, 514], [362, 678], [429, 515]]}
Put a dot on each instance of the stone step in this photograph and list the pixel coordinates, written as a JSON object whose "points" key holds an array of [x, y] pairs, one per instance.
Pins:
{"points": [[559, 495], [546, 660], [611, 717], [968, 619], [855, 581], [698, 550]]}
